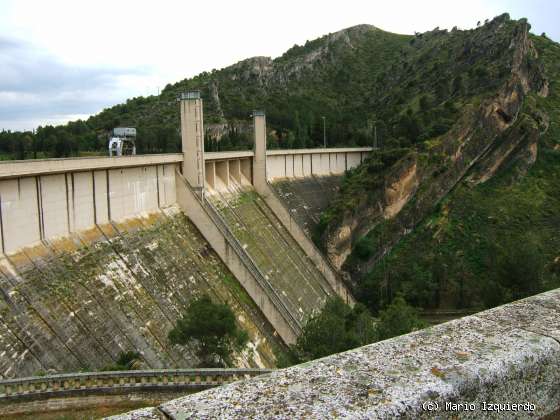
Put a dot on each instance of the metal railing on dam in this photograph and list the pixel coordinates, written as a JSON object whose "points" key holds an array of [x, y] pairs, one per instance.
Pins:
{"points": [[124, 381], [248, 262], [329, 271]]}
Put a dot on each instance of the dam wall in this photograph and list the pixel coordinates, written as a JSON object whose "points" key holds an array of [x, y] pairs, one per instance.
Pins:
{"points": [[97, 257], [76, 303], [306, 198], [55, 211], [261, 182], [51, 198], [239, 262], [230, 200], [302, 163], [293, 277]]}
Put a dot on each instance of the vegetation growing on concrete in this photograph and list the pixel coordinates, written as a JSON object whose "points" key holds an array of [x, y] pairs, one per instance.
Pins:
{"points": [[80, 307], [211, 329], [307, 198], [294, 278], [126, 360]]}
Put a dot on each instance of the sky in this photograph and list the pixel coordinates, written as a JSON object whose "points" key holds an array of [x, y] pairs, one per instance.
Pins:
{"points": [[61, 60]]}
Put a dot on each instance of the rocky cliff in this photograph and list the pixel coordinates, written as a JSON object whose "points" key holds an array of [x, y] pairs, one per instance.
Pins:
{"points": [[499, 130]]}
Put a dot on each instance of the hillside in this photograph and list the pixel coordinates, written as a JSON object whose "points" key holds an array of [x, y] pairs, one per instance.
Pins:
{"points": [[467, 218], [330, 76], [361, 79], [333, 76]]}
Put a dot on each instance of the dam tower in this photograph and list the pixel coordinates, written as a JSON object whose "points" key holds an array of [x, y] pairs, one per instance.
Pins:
{"points": [[259, 160], [192, 138]]}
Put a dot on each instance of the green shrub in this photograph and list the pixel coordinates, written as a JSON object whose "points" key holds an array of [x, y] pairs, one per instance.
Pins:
{"points": [[211, 329], [127, 360], [397, 319], [337, 328], [364, 248]]}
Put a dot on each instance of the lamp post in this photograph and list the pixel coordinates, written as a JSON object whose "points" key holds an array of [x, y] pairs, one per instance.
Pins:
{"points": [[374, 132], [324, 133]]}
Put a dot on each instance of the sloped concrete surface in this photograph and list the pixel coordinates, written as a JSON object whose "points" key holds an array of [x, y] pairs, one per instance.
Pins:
{"points": [[501, 363], [76, 303], [290, 272], [307, 197]]}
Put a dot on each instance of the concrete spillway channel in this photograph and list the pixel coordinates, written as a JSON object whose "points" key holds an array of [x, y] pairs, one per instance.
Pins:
{"points": [[292, 275], [76, 303], [307, 197]]}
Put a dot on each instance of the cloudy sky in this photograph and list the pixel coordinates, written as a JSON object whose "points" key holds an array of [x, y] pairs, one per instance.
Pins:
{"points": [[66, 59]]}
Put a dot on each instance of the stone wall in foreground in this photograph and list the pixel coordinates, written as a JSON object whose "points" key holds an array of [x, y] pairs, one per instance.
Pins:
{"points": [[509, 354]]}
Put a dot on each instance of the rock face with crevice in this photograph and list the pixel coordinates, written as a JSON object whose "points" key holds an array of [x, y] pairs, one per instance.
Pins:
{"points": [[506, 355], [74, 304], [499, 128]]}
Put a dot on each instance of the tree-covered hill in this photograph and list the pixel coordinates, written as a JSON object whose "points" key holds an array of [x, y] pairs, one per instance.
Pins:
{"points": [[366, 82], [466, 217], [334, 76]]}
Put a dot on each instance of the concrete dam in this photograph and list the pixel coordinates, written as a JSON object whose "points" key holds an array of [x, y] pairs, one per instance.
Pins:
{"points": [[102, 255]]}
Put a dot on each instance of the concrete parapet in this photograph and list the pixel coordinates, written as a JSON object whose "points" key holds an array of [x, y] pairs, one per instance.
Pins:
{"points": [[500, 363], [21, 168], [101, 381], [76, 390]]}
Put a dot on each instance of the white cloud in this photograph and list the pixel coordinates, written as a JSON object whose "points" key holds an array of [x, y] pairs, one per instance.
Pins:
{"points": [[143, 45], [37, 87]]}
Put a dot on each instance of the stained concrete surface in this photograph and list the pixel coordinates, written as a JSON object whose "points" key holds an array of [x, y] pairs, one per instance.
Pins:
{"points": [[292, 274], [75, 303], [307, 198]]}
